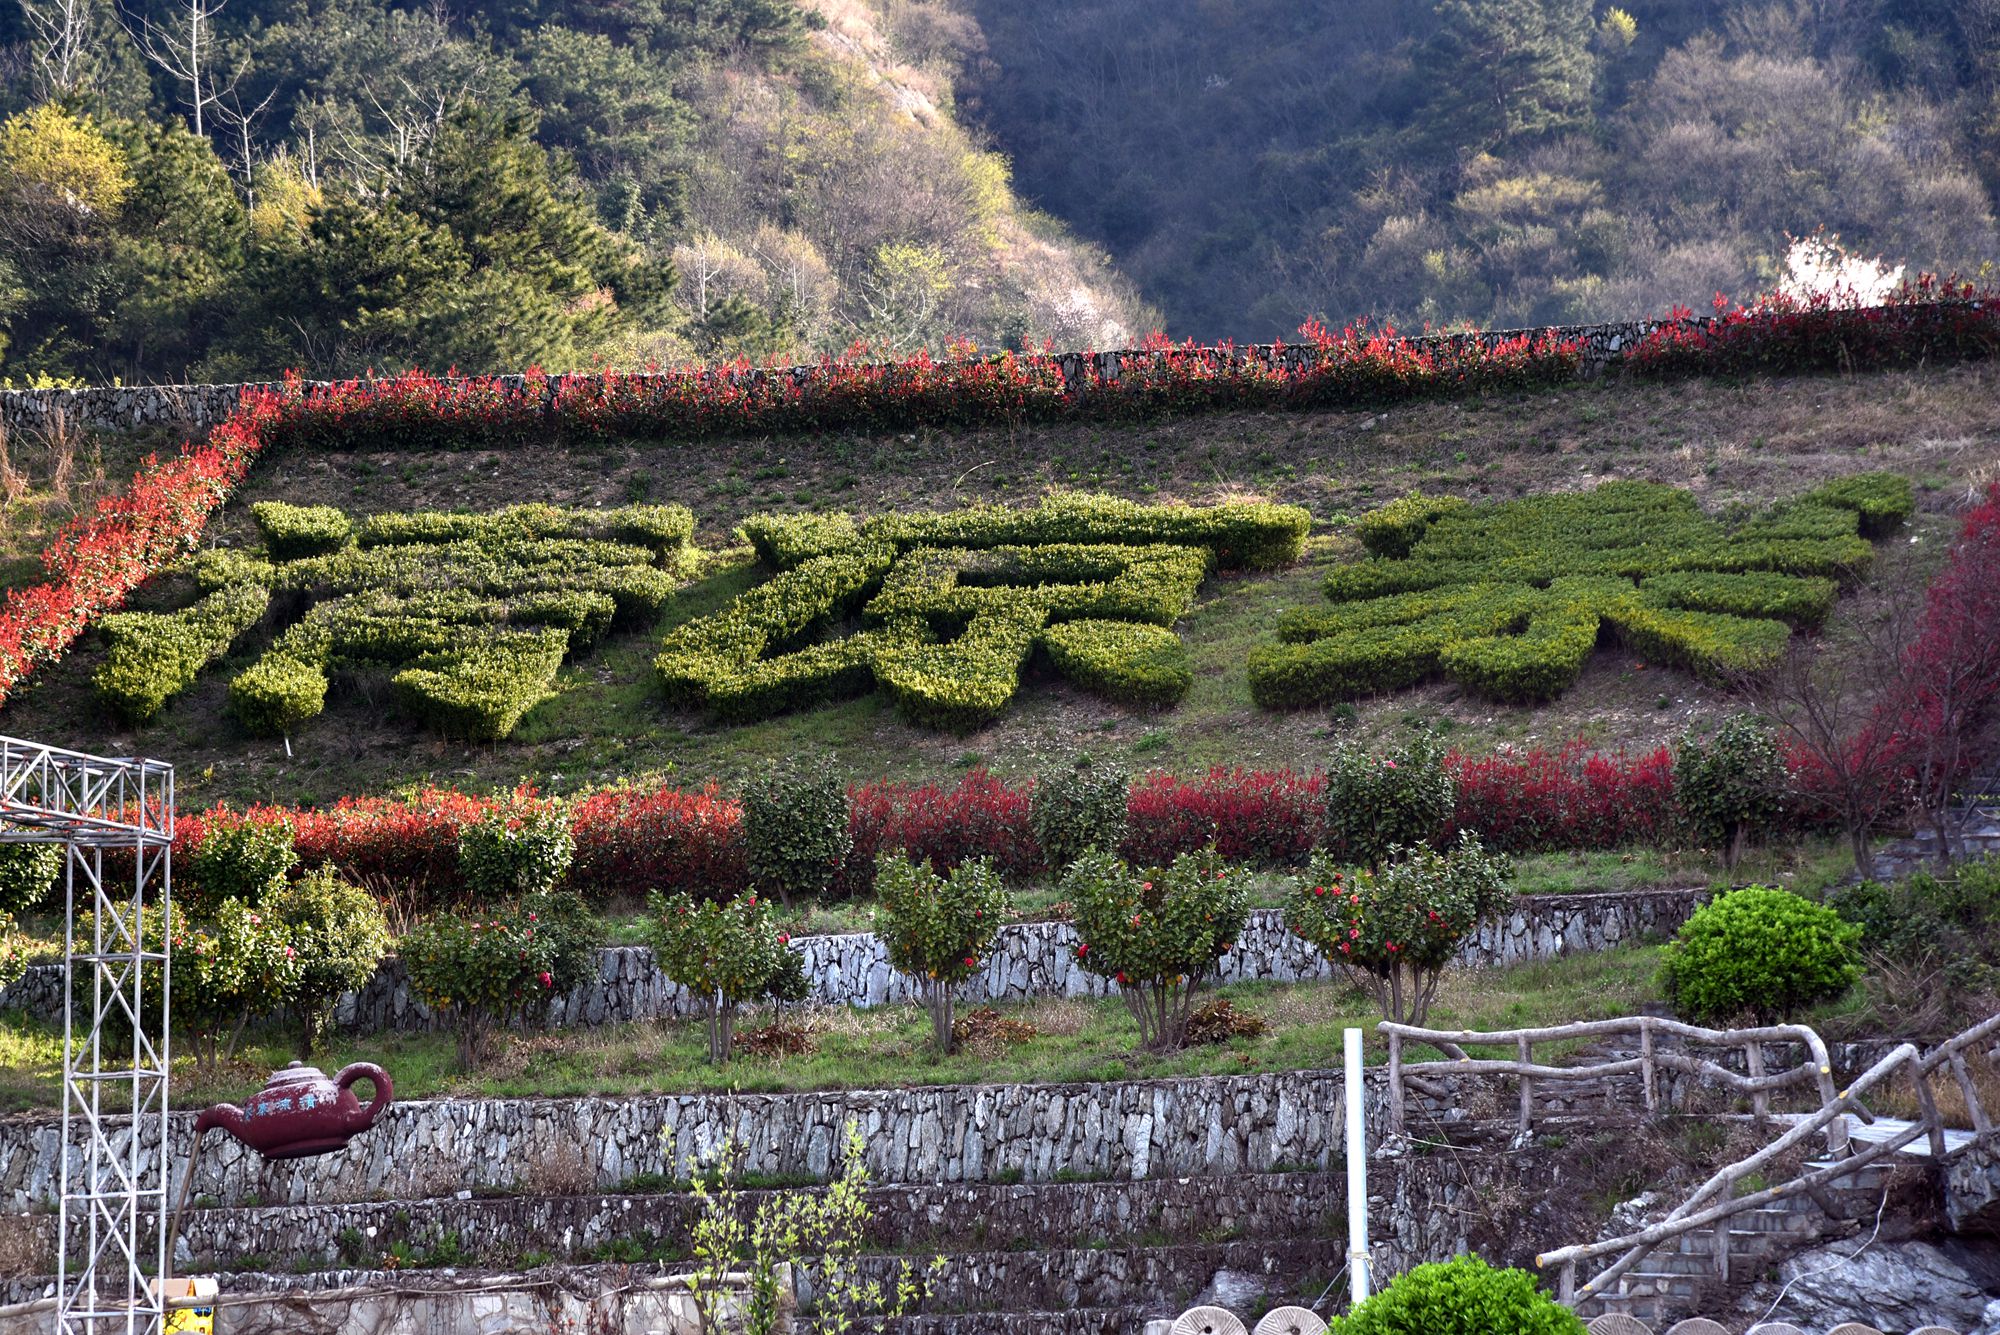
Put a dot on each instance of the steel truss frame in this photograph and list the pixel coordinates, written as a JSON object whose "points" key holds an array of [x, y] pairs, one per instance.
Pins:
{"points": [[116, 1056]]}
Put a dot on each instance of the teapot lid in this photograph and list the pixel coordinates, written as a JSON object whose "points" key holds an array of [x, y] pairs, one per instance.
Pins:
{"points": [[294, 1073]]}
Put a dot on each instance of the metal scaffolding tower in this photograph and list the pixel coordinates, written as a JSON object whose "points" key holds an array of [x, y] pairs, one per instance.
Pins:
{"points": [[115, 821]]}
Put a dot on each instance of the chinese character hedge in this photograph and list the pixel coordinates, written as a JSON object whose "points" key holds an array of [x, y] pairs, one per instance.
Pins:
{"points": [[1510, 598], [952, 607]]}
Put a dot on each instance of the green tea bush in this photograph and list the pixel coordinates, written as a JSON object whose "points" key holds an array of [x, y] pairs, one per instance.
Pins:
{"points": [[1129, 662], [937, 929], [235, 857], [338, 934], [1462, 1296], [1731, 785], [1159, 934], [795, 830], [154, 656], [521, 847], [1761, 952], [222, 567], [293, 531], [724, 955], [1403, 797], [1396, 930], [1077, 808], [1509, 598]]}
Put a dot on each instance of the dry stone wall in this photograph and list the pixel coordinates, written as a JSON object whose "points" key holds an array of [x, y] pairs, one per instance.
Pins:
{"points": [[1030, 960]]}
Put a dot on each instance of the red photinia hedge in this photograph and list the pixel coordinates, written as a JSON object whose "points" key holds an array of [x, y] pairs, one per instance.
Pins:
{"points": [[632, 839], [981, 816], [1926, 319], [100, 557], [1269, 817], [1571, 797]]}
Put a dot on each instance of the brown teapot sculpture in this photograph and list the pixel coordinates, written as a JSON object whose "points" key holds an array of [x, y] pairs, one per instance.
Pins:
{"points": [[301, 1112]]}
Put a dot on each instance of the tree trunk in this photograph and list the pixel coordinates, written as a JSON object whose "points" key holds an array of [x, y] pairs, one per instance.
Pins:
{"points": [[1864, 854]]}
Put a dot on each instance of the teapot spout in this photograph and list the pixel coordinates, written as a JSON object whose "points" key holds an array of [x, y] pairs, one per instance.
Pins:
{"points": [[225, 1115]]}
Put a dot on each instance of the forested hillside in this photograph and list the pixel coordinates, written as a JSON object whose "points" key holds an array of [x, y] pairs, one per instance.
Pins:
{"points": [[200, 189], [1507, 162]]}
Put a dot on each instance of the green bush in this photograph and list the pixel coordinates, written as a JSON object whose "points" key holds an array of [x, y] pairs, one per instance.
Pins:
{"points": [[1403, 797], [937, 929], [1463, 1296], [482, 971], [519, 848], [480, 690], [1882, 500], [277, 693], [795, 832], [1730, 786], [154, 656], [27, 873], [1130, 662], [294, 531], [1077, 808], [1396, 930], [1159, 934], [1761, 952], [339, 935], [724, 955], [963, 684], [1942, 928], [221, 567], [1509, 597], [236, 857]]}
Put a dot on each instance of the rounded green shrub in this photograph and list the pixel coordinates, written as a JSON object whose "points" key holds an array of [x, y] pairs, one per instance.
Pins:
{"points": [[518, 848], [1463, 1296], [1402, 797], [294, 531], [275, 694], [1730, 785], [795, 830], [1126, 661], [1078, 808], [1762, 952], [235, 857], [27, 873]]}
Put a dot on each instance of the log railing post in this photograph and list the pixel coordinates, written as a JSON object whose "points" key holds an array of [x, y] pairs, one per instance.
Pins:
{"points": [[1760, 1100], [1526, 1053], [1933, 1124], [1646, 1066], [1981, 1123], [1395, 1084]]}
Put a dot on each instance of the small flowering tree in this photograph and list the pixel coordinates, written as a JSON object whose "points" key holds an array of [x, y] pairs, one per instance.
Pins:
{"points": [[726, 954], [339, 935], [520, 847], [242, 964], [938, 929], [1394, 930], [1159, 934], [484, 972]]}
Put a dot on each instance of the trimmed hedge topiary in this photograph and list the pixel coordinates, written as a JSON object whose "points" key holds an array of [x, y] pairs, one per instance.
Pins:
{"points": [[1130, 662], [1761, 952], [293, 531], [1510, 598], [276, 694], [156, 655]]}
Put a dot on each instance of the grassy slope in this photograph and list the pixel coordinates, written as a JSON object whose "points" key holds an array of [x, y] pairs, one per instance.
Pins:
{"points": [[1734, 443]]}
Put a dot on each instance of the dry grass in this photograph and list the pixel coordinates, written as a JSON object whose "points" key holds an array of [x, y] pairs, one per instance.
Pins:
{"points": [[1899, 1098]]}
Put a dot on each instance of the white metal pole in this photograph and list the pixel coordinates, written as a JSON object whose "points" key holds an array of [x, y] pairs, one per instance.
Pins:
{"points": [[1357, 1175]]}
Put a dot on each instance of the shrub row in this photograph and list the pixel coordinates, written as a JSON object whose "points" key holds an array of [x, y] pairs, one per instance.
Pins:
{"points": [[1510, 599], [154, 656], [293, 531]]}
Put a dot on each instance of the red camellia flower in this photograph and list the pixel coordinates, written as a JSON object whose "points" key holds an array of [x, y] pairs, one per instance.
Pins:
{"points": [[548, 979]]}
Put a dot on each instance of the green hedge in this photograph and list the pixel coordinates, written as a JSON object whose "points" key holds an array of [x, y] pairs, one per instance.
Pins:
{"points": [[154, 656], [1510, 598], [1241, 535], [1129, 662], [479, 689], [221, 567], [276, 694], [964, 683], [292, 531]]}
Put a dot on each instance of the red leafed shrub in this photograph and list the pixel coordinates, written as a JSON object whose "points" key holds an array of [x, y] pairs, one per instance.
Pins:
{"points": [[100, 557], [633, 840], [980, 817], [409, 841], [1568, 798], [1266, 817]]}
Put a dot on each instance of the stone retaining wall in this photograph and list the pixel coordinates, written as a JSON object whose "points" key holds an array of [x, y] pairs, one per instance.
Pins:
{"points": [[126, 407], [1030, 960]]}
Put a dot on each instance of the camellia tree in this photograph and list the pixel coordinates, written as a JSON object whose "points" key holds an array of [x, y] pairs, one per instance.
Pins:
{"points": [[1159, 934], [1395, 930], [938, 929], [339, 935], [241, 963], [725, 954]]}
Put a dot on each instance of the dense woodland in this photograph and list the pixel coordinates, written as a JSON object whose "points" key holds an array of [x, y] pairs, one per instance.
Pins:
{"points": [[222, 189], [1507, 162]]}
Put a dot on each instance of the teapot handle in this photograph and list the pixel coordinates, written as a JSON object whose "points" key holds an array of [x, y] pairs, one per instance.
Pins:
{"points": [[375, 1075]]}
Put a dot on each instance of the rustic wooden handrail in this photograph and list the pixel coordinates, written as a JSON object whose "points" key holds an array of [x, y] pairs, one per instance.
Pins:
{"points": [[1690, 1216], [1817, 1069]]}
